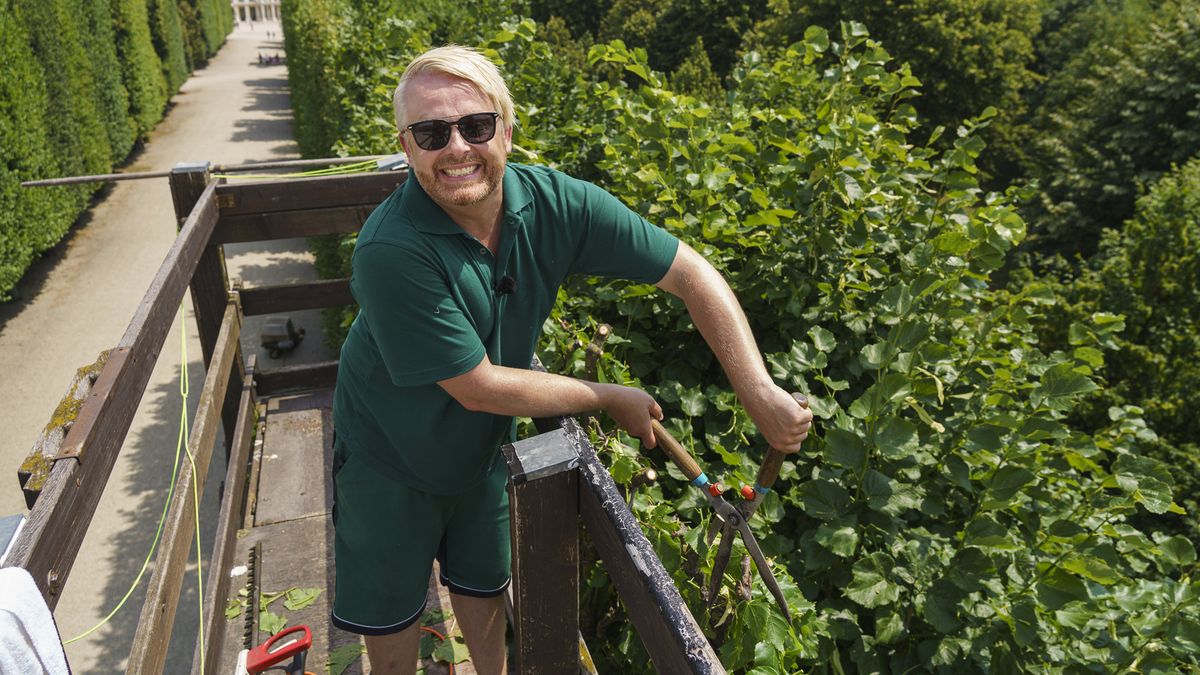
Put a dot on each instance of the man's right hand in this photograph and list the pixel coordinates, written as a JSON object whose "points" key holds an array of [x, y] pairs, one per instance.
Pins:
{"points": [[632, 409]]}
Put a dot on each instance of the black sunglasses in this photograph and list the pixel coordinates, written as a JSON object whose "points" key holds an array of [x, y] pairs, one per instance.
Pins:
{"points": [[435, 134]]}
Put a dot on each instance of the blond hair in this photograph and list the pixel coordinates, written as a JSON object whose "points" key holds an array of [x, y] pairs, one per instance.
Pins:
{"points": [[464, 63]]}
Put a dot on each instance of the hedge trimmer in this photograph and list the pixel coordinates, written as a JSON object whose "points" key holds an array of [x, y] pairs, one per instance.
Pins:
{"points": [[731, 518]]}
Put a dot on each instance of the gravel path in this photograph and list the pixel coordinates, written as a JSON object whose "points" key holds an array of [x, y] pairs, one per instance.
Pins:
{"points": [[78, 300]]}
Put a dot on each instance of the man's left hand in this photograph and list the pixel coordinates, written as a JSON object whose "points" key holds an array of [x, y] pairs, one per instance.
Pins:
{"points": [[783, 419]]}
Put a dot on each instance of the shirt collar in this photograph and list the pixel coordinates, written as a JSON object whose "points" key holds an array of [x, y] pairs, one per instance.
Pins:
{"points": [[428, 217]]}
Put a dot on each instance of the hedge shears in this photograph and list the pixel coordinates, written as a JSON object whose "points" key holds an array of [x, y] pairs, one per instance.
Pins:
{"points": [[731, 518]]}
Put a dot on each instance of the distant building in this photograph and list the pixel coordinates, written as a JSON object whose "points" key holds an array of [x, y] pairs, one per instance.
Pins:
{"points": [[256, 10]]}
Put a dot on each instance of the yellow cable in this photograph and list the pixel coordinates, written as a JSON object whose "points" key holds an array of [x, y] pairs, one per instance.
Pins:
{"points": [[184, 425], [357, 167], [179, 445]]}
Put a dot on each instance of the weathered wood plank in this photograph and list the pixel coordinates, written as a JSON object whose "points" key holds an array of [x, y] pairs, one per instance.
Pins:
{"points": [[290, 224], [544, 527], [292, 379], [228, 523], [209, 286], [296, 553], [665, 626], [308, 193], [293, 479], [56, 526], [295, 297], [35, 469], [149, 651]]}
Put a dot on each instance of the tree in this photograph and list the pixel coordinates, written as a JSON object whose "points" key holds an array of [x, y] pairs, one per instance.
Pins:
{"points": [[1113, 120], [969, 55]]}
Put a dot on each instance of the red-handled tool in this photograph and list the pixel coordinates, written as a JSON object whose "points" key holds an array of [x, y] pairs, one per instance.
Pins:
{"points": [[282, 645], [768, 471]]}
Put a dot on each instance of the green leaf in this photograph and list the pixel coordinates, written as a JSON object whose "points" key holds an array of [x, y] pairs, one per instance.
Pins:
{"points": [[874, 356], [265, 599], [870, 586], [843, 448], [1060, 386], [1075, 614], [234, 608], [1179, 550], [1185, 634], [451, 650], [817, 38], [1005, 483], [1026, 625], [1057, 588], [896, 437], [969, 568], [842, 541], [985, 532], [1147, 480], [941, 606], [1091, 567], [889, 626], [823, 499], [299, 598], [822, 339], [343, 657], [693, 402], [271, 623]]}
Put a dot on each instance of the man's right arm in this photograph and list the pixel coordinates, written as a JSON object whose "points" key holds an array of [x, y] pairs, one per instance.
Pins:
{"points": [[528, 393]]}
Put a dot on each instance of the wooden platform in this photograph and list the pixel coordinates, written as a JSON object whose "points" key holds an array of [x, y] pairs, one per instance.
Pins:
{"points": [[289, 534]]}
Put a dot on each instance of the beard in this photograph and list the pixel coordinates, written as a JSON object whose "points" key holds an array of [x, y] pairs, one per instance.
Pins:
{"points": [[461, 193]]}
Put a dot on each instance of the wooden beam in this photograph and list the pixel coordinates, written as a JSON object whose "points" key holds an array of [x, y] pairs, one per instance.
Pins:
{"points": [[544, 524], [295, 297], [35, 469], [210, 283], [50, 540], [296, 378], [228, 523], [291, 224], [665, 626], [149, 651], [256, 197]]}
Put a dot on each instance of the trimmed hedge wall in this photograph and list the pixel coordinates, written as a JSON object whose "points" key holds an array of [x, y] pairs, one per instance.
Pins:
{"points": [[82, 81]]}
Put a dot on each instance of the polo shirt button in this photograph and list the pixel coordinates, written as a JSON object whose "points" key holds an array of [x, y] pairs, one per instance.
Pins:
{"points": [[483, 251]]}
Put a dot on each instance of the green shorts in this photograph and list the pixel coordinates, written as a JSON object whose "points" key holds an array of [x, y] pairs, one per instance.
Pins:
{"points": [[387, 536]]}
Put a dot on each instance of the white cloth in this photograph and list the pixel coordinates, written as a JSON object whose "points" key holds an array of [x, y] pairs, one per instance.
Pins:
{"points": [[29, 639]]}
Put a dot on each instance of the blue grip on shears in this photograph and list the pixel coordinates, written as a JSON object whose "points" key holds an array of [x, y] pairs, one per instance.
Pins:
{"points": [[760, 489], [700, 481]]}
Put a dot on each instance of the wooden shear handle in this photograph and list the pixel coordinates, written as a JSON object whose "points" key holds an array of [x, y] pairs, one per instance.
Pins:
{"points": [[773, 462], [675, 450]]}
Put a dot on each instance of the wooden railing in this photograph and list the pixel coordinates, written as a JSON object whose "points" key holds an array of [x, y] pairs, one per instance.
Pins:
{"points": [[550, 497], [557, 480]]}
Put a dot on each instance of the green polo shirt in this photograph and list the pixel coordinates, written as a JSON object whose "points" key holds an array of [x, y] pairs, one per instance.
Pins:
{"points": [[429, 310]]}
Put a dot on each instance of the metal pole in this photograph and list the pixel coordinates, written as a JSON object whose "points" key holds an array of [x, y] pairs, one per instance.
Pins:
{"points": [[220, 168]]}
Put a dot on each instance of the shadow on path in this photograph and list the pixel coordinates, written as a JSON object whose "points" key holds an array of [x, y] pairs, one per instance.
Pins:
{"points": [[149, 468], [269, 115]]}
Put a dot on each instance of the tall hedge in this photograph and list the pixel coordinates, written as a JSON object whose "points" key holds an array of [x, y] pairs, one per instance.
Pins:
{"points": [[141, 68], [78, 139], [216, 20], [112, 102], [80, 82], [27, 218], [312, 31], [166, 33]]}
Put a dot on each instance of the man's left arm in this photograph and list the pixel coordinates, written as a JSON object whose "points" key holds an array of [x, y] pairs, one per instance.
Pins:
{"points": [[716, 312]]}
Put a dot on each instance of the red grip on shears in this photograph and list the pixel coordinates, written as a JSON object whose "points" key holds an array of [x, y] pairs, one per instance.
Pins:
{"points": [[716, 489], [266, 655], [747, 493]]}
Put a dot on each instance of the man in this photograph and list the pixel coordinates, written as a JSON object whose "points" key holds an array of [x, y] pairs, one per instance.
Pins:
{"points": [[454, 275]]}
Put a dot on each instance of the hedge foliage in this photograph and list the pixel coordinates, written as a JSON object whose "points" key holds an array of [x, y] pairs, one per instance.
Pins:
{"points": [[82, 81], [953, 511]]}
